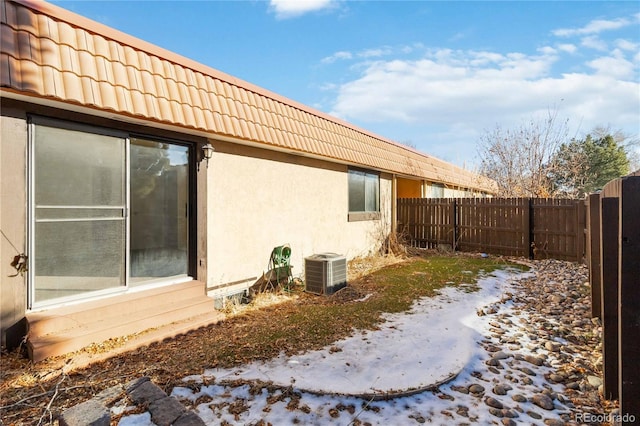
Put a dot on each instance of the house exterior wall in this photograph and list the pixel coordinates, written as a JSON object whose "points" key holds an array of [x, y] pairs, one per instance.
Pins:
{"points": [[51, 53], [14, 139], [259, 199], [455, 193], [409, 188], [249, 201], [281, 177], [13, 215], [439, 190]]}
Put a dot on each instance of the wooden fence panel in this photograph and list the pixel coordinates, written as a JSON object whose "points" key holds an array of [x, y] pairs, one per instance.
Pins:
{"points": [[503, 226], [558, 229], [492, 225], [427, 222]]}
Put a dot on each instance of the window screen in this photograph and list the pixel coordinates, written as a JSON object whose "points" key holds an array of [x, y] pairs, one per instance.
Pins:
{"points": [[364, 191]]}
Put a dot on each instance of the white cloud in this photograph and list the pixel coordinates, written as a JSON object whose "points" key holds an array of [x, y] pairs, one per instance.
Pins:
{"points": [[328, 87], [473, 91], [594, 42], [444, 100], [375, 53], [567, 47], [614, 65], [409, 49], [292, 8], [547, 50], [626, 44], [484, 58], [337, 56], [458, 36], [594, 27], [411, 90]]}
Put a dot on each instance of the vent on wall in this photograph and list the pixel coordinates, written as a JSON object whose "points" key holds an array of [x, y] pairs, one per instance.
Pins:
{"points": [[325, 273]]}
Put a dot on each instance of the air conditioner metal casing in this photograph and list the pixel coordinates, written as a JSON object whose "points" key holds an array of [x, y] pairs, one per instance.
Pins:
{"points": [[325, 273]]}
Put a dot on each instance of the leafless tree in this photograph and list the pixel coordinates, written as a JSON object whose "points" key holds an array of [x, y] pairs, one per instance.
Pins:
{"points": [[519, 160], [570, 174]]}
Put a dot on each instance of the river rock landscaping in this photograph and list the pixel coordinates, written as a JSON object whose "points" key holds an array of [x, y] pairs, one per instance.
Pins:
{"points": [[534, 357], [539, 364]]}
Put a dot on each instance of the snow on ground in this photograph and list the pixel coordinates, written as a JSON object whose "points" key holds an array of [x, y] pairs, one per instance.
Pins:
{"points": [[410, 351], [346, 383]]}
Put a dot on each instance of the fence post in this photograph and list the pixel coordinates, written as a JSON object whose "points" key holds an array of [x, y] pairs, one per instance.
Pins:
{"points": [[454, 225], [609, 221], [593, 254], [629, 297], [527, 225]]}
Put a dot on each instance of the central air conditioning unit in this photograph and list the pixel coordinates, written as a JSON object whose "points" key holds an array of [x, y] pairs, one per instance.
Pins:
{"points": [[325, 273]]}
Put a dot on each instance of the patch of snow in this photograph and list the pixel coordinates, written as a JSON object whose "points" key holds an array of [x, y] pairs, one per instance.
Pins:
{"points": [[413, 351], [441, 336]]}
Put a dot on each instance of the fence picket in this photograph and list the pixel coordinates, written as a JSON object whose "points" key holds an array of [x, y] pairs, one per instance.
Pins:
{"points": [[501, 226]]}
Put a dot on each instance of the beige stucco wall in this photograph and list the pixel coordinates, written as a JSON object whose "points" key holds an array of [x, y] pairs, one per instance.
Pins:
{"points": [[454, 193], [13, 140], [447, 191], [250, 200], [408, 188], [259, 199]]}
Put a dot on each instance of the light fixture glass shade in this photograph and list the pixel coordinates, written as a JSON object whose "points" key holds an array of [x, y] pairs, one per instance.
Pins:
{"points": [[207, 151]]}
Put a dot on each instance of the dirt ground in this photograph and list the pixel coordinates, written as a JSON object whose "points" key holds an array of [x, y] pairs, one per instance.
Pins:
{"points": [[37, 393]]}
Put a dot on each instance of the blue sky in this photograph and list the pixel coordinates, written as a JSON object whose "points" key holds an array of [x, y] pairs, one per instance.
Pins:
{"points": [[434, 75]]}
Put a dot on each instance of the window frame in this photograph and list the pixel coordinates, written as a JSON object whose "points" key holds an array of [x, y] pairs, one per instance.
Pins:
{"points": [[96, 127], [437, 190], [361, 215]]}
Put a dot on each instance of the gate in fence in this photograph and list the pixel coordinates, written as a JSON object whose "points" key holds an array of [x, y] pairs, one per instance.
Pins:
{"points": [[613, 256]]}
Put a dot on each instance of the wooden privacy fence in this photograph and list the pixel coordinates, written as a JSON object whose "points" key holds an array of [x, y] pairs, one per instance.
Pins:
{"points": [[613, 256], [536, 228]]}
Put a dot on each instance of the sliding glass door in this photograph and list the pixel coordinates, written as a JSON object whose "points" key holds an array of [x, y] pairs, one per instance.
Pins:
{"points": [[79, 205], [108, 211], [159, 210]]}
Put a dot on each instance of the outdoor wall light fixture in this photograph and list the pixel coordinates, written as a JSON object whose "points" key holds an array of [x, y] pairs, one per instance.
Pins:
{"points": [[207, 153]]}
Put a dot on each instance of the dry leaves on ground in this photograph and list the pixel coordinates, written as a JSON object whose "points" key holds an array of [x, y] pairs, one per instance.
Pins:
{"points": [[35, 394]]}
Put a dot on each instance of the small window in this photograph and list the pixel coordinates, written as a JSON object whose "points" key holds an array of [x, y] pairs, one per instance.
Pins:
{"points": [[437, 190], [364, 195]]}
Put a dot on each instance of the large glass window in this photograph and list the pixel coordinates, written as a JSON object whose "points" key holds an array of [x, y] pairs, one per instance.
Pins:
{"points": [[79, 204], [364, 191], [108, 211]]}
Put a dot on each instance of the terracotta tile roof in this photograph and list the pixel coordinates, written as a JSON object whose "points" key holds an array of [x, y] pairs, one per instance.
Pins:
{"points": [[51, 53]]}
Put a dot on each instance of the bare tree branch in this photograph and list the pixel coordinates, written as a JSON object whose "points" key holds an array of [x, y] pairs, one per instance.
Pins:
{"points": [[520, 159], [48, 407]]}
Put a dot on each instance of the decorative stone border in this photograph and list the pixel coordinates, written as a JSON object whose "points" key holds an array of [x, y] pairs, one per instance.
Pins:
{"points": [[164, 409]]}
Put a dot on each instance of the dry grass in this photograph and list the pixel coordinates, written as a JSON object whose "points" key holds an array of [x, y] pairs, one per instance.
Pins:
{"points": [[290, 322]]}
